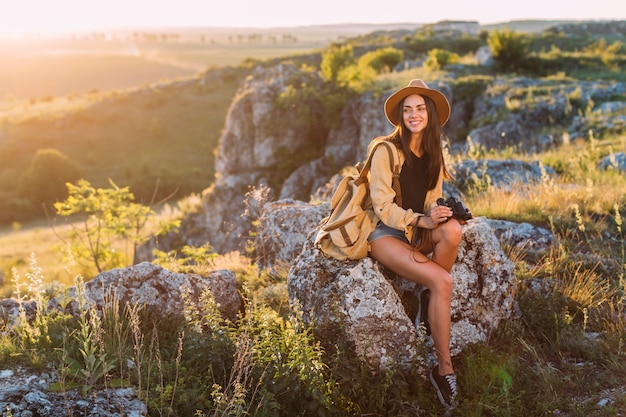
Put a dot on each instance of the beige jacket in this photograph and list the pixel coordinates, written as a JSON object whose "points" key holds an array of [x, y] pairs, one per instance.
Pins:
{"points": [[383, 195]]}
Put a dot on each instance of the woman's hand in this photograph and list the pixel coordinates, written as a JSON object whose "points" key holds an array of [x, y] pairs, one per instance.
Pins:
{"points": [[438, 215]]}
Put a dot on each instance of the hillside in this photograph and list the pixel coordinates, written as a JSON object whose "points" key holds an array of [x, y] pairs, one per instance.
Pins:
{"points": [[165, 132]]}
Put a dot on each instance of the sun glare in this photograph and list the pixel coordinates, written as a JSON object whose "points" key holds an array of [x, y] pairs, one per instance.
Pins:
{"points": [[46, 17]]}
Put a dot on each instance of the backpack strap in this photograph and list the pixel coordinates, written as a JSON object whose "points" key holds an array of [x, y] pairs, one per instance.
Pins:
{"points": [[394, 162]]}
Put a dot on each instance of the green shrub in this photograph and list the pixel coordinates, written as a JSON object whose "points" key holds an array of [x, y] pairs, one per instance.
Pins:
{"points": [[44, 180], [381, 60], [334, 59], [439, 58], [108, 216], [509, 49]]}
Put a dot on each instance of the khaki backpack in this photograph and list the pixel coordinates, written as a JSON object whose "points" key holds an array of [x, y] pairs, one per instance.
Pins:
{"points": [[343, 234]]}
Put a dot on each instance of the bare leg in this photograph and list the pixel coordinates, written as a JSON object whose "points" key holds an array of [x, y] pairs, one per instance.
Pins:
{"points": [[446, 239], [402, 259]]}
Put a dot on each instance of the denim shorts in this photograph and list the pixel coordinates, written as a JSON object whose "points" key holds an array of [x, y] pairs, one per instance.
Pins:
{"points": [[382, 230]]}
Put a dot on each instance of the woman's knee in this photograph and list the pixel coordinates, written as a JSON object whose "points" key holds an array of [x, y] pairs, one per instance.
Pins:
{"points": [[451, 232], [443, 284]]}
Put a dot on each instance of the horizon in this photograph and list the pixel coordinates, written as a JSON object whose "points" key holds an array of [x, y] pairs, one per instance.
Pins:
{"points": [[72, 16]]}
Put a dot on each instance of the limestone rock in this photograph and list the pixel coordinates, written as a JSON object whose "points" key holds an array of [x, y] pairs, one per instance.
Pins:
{"points": [[373, 311], [499, 173], [615, 161], [25, 393], [163, 290], [523, 235], [283, 228]]}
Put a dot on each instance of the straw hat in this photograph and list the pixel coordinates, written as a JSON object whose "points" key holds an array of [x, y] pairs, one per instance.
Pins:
{"points": [[417, 87]]}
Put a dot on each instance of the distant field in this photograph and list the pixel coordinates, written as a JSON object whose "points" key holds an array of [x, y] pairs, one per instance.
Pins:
{"points": [[41, 76], [77, 72]]}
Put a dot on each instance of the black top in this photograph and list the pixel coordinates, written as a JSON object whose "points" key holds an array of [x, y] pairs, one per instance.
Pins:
{"points": [[413, 180]]}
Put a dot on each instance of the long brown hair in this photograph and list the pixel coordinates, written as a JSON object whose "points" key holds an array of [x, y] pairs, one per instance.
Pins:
{"points": [[431, 142]]}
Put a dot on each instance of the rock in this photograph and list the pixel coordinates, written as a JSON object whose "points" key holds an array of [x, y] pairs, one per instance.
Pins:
{"points": [[248, 153], [536, 105], [523, 235], [163, 290], [283, 227], [26, 393], [354, 304], [484, 56], [372, 311], [615, 161], [10, 310], [149, 285], [498, 173]]}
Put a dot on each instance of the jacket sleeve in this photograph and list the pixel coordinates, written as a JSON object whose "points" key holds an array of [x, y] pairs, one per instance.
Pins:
{"points": [[383, 195]]}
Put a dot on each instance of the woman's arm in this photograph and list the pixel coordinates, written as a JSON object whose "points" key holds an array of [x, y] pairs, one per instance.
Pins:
{"points": [[383, 195]]}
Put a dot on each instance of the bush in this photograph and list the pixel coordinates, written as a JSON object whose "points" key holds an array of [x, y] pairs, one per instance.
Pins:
{"points": [[334, 59], [45, 178], [509, 49], [108, 216], [439, 58], [382, 60]]}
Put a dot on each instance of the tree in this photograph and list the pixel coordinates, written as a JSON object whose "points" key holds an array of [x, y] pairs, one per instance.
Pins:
{"points": [[108, 219], [509, 49], [334, 60], [44, 180]]}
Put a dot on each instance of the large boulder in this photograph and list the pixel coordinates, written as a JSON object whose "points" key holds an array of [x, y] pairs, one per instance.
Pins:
{"points": [[153, 287], [371, 311], [162, 290]]}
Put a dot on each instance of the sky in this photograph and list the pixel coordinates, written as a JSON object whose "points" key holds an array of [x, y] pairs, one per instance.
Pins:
{"points": [[48, 16]]}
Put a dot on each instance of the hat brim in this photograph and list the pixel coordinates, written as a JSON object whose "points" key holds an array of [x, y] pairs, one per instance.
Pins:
{"points": [[441, 103]]}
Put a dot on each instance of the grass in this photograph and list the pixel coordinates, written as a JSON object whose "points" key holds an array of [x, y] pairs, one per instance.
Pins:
{"points": [[17, 247]]}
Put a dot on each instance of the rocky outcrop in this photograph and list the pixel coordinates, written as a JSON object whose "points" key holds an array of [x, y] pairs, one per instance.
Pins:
{"points": [[534, 105], [283, 228], [372, 311], [524, 236], [250, 150], [250, 153]]}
